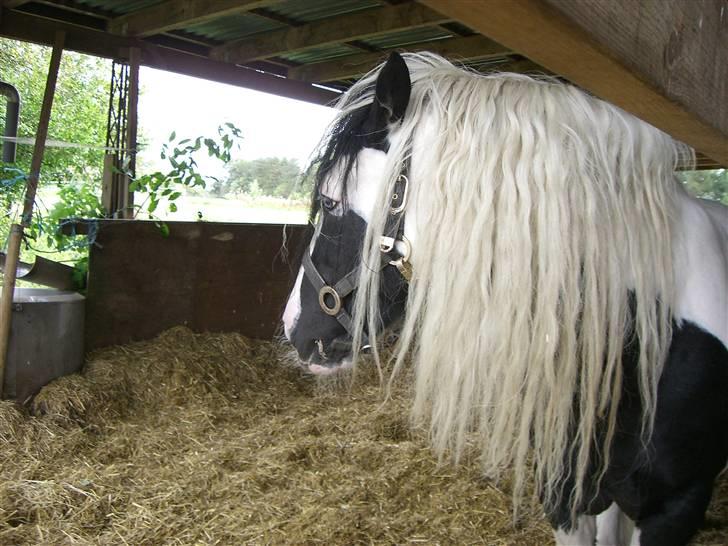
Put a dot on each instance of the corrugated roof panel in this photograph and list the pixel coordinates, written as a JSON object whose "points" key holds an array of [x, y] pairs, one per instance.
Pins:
{"points": [[119, 6], [319, 54], [407, 37], [306, 11], [233, 27]]}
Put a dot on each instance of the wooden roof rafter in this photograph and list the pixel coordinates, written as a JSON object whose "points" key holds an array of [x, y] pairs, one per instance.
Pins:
{"points": [[466, 48], [340, 29], [174, 14]]}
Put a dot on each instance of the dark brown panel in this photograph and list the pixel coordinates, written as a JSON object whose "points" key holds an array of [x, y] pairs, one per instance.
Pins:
{"points": [[208, 276]]}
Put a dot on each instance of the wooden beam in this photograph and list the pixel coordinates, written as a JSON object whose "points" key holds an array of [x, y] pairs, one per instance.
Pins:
{"points": [[12, 4], [20, 26], [471, 47], [345, 28], [664, 61], [172, 14], [126, 197]]}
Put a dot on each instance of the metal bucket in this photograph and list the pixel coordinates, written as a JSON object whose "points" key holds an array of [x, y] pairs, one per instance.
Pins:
{"points": [[46, 340]]}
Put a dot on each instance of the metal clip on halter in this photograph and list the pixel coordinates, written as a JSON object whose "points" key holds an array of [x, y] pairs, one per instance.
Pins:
{"points": [[402, 263]]}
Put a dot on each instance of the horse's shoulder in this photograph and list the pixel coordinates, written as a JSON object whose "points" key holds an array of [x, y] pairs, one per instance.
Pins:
{"points": [[701, 264]]}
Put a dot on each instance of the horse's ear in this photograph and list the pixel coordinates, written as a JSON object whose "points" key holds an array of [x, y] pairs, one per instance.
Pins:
{"points": [[391, 95]]}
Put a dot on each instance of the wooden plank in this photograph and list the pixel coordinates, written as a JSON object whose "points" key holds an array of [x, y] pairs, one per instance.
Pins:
{"points": [[462, 49], [126, 197], [12, 4], [173, 14], [20, 26], [664, 61], [211, 277], [107, 184], [174, 61], [350, 27]]}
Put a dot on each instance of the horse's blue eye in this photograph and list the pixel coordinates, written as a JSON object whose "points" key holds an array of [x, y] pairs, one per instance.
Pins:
{"points": [[328, 203]]}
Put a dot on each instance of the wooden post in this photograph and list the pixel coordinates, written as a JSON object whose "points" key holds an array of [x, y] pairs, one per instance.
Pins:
{"points": [[127, 197], [16, 231]]}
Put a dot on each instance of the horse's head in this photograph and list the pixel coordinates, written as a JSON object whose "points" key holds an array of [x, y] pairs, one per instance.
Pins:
{"points": [[349, 175]]}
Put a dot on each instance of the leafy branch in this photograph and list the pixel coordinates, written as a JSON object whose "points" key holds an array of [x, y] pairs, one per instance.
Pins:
{"points": [[183, 168]]}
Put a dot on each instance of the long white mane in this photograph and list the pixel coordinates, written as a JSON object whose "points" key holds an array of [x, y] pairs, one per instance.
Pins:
{"points": [[543, 223]]}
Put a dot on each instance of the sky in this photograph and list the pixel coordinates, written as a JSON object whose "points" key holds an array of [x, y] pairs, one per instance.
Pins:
{"points": [[272, 126]]}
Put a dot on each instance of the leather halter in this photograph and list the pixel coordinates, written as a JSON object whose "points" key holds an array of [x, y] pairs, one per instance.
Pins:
{"points": [[331, 298]]}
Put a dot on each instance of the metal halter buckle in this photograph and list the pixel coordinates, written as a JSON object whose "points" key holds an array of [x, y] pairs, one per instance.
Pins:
{"points": [[328, 291], [397, 210]]}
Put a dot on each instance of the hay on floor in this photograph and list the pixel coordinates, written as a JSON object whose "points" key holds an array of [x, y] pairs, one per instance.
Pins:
{"points": [[207, 439]]}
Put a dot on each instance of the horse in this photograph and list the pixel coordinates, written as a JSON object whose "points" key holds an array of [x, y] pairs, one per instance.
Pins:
{"points": [[557, 291]]}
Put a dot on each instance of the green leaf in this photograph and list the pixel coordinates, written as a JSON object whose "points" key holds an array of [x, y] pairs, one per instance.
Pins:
{"points": [[172, 136], [172, 207]]}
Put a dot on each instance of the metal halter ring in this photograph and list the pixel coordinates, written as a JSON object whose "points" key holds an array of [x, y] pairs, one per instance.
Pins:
{"points": [[327, 290]]}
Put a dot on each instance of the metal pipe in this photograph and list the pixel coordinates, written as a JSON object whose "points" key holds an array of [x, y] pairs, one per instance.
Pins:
{"points": [[12, 114]]}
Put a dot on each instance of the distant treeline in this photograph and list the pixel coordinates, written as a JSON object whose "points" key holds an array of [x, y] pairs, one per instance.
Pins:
{"points": [[272, 176]]}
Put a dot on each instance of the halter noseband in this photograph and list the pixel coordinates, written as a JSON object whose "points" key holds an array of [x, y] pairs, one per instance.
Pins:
{"points": [[331, 298]]}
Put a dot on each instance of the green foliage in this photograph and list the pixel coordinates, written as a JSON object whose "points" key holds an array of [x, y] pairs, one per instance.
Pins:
{"points": [[77, 200], [271, 176], [707, 184], [79, 107], [165, 186]]}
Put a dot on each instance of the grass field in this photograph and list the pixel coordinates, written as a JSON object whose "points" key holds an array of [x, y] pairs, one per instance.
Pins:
{"points": [[263, 210]]}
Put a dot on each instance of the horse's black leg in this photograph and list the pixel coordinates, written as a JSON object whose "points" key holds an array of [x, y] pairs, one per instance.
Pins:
{"points": [[666, 488], [677, 519]]}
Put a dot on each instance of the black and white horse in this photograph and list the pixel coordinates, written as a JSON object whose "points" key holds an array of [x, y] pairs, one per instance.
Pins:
{"points": [[557, 290]]}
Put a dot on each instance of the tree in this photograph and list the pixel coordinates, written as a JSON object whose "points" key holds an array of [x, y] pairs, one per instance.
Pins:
{"points": [[272, 176], [79, 116], [79, 108], [707, 184]]}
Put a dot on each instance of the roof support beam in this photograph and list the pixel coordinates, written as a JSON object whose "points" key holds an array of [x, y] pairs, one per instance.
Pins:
{"points": [[20, 26], [173, 14], [666, 62], [12, 4], [471, 47], [340, 29]]}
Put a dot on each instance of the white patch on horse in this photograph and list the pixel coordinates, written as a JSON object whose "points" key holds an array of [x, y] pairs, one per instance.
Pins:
{"points": [[293, 307], [583, 535], [614, 528], [701, 266], [363, 193], [323, 371]]}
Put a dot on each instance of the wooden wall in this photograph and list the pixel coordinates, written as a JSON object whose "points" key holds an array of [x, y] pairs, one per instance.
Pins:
{"points": [[208, 276]]}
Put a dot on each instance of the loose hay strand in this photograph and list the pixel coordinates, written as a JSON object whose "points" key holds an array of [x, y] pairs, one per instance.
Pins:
{"points": [[206, 439]]}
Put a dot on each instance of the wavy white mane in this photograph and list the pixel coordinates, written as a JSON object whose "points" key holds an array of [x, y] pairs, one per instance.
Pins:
{"points": [[539, 210]]}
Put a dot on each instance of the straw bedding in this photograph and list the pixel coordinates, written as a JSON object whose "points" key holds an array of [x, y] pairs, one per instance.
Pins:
{"points": [[208, 439]]}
